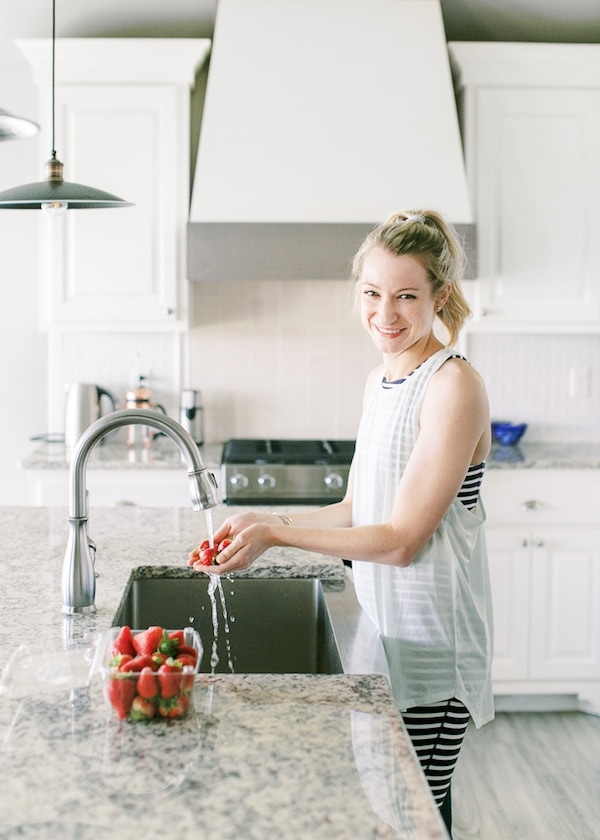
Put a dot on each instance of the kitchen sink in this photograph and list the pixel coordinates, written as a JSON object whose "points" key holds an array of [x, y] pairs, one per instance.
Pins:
{"points": [[276, 625]]}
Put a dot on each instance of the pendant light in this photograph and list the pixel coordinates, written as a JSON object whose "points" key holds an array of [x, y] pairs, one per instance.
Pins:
{"points": [[54, 195], [16, 128]]}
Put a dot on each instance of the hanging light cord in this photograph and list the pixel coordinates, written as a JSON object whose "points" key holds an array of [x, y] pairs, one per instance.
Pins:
{"points": [[53, 151]]}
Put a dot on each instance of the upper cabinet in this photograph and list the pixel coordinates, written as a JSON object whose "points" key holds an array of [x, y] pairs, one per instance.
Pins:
{"points": [[122, 125], [531, 128]]}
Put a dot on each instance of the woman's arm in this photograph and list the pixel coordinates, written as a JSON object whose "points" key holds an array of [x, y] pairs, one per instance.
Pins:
{"points": [[454, 424]]}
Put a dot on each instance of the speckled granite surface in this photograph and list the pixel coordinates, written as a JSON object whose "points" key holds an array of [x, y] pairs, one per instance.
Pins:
{"points": [[545, 456], [260, 756], [113, 453], [163, 454]]}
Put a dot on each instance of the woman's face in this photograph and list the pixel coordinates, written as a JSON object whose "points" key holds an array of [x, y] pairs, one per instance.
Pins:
{"points": [[396, 303]]}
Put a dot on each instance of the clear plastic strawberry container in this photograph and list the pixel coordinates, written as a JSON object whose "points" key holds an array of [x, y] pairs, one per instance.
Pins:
{"points": [[138, 689]]}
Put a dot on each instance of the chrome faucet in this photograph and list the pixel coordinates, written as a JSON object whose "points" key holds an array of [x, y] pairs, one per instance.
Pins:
{"points": [[78, 579]]}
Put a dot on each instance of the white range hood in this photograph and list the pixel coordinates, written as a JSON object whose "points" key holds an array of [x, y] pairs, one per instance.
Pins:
{"points": [[321, 118]]}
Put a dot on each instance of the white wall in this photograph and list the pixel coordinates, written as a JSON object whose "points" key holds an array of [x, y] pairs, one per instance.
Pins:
{"points": [[272, 359], [23, 374]]}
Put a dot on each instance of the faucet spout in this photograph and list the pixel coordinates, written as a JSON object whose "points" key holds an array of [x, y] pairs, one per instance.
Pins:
{"points": [[78, 578]]}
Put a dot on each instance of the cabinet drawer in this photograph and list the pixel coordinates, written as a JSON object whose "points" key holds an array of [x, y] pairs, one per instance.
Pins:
{"points": [[542, 496]]}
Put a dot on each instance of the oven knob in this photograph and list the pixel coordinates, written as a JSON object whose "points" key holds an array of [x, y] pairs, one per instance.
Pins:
{"points": [[266, 481], [334, 481], [239, 480]]}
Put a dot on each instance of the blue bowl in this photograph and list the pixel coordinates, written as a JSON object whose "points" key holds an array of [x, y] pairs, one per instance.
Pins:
{"points": [[507, 434]]}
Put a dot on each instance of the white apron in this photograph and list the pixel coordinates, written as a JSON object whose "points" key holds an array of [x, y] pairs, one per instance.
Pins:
{"points": [[434, 616]]}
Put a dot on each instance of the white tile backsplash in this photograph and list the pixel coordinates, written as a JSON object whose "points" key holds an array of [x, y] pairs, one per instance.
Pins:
{"points": [[537, 379], [279, 359]]}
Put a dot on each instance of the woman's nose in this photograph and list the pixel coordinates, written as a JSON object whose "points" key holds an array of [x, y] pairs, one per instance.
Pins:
{"points": [[388, 313]]}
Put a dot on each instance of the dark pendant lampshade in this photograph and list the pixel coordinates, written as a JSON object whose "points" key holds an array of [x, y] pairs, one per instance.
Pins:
{"points": [[54, 195]]}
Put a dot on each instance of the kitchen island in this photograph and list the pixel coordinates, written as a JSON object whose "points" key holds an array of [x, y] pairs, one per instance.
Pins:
{"points": [[259, 756]]}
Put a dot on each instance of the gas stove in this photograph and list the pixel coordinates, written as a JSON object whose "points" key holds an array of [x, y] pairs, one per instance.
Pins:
{"points": [[285, 471]]}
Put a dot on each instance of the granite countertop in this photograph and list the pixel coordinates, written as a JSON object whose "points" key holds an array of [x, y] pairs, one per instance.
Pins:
{"points": [[164, 454], [259, 756], [545, 456], [112, 452]]}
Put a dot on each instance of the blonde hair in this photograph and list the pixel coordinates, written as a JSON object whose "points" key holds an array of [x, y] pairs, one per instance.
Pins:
{"points": [[427, 235]]}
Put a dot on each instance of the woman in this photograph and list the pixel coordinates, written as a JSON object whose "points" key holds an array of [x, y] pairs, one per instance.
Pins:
{"points": [[411, 518]]}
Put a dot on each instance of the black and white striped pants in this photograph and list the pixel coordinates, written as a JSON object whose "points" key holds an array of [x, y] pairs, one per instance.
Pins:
{"points": [[437, 733]]}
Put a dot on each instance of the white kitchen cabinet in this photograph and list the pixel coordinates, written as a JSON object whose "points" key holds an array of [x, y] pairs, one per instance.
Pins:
{"points": [[544, 553], [109, 488], [122, 125], [531, 128]]}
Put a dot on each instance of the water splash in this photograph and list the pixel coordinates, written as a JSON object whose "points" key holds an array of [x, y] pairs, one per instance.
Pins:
{"points": [[215, 585]]}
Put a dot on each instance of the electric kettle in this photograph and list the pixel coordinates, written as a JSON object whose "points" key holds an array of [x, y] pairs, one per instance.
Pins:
{"points": [[83, 406]]}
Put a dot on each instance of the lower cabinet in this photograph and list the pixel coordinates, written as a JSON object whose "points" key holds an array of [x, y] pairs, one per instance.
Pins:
{"points": [[546, 594]]}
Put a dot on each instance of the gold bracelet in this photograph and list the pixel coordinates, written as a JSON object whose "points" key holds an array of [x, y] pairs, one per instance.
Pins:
{"points": [[285, 519]]}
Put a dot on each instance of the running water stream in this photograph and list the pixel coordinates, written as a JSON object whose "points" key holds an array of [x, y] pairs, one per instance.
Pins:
{"points": [[215, 584]]}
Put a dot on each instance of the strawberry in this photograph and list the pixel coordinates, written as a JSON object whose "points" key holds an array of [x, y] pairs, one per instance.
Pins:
{"points": [[124, 642], [147, 641], [137, 664], [207, 556], [119, 660], [169, 643], [186, 659], [223, 544], [178, 636], [120, 691], [147, 684], [158, 659], [188, 650], [176, 707], [142, 709], [169, 678]]}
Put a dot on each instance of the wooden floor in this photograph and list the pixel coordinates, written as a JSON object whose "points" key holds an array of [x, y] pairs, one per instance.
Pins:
{"points": [[531, 776]]}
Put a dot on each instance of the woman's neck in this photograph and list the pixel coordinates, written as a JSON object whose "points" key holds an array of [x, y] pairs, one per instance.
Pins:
{"points": [[401, 365]]}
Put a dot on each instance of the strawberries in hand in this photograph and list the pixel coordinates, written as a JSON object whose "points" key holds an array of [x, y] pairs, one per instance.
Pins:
{"points": [[207, 554]]}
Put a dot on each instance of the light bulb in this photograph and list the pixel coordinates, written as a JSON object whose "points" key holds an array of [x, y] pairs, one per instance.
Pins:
{"points": [[54, 208]]}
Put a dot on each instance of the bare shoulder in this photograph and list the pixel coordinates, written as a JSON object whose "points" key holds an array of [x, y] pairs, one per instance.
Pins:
{"points": [[457, 387], [458, 373]]}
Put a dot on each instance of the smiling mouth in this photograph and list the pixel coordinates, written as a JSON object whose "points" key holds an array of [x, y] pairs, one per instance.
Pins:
{"points": [[389, 333]]}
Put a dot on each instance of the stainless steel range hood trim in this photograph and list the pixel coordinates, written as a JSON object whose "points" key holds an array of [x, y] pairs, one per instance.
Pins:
{"points": [[253, 251]]}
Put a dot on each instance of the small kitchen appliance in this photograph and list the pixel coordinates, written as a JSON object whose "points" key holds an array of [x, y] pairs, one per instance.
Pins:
{"points": [[285, 471], [141, 397], [190, 414], [83, 407]]}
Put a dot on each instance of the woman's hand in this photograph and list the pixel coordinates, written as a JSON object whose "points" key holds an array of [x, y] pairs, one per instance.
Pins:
{"points": [[250, 535]]}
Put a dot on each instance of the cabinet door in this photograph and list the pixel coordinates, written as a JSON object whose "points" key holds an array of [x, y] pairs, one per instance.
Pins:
{"points": [[119, 266], [537, 181], [509, 563], [565, 639]]}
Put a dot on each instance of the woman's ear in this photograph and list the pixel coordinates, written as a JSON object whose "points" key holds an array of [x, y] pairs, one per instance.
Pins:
{"points": [[442, 298]]}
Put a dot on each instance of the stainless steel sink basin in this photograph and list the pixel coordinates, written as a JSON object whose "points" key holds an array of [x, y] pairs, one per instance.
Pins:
{"points": [[276, 626]]}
